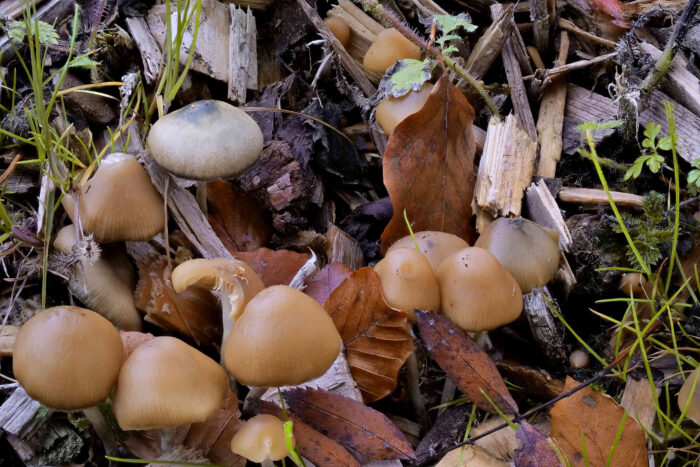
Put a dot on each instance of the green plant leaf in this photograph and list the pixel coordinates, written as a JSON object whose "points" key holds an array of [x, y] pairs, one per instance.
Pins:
{"points": [[636, 169], [601, 125], [665, 143], [83, 62], [654, 162], [652, 130], [653, 206], [694, 176], [16, 30], [445, 38], [410, 76], [449, 23]]}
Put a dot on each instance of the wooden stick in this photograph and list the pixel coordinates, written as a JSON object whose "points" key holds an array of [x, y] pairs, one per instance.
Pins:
{"points": [[151, 55], [539, 15], [489, 46], [572, 66], [592, 197], [242, 54], [535, 57], [567, 25]]}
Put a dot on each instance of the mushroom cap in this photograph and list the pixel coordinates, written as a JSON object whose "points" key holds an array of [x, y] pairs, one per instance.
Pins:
{"points": [[389, 45], [684, 394], [206, 140], [408, 281], [340, 29], [634, 283], [393, 110], [579, 358], [119, 203], [470, 456], [260, 438], [165, 382], [105, 285], [476, 292], [284, 337], [436, 246], [67, 358], [526, 250]]}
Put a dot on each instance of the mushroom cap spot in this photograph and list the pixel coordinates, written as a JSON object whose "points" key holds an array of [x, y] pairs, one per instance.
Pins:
{"points": [[389, 45], [284, 337], [165, 382], [408, 281], [340, 29], [206, 140], [67, 358], [393, 110], [476, 292], [260, 438], [526, 250], [436, 246], [119, 203], [684, 394]]}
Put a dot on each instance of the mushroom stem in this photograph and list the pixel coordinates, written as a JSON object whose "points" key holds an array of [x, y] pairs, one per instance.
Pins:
{"points": [[448, 393], [102, 429], [167, 439], [413, 387], [202, 197], [267, 463]]}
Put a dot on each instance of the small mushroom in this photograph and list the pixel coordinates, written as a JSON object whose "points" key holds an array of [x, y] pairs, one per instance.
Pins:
{"points": [[529, 252], [284, 337], [436, 246], [393, 110], [579, 358], [340, 29], [500, 444], [633, 283], [692, 400], [389, 45], [408, 281], [476, 292], [261, 439], [469, 456]]}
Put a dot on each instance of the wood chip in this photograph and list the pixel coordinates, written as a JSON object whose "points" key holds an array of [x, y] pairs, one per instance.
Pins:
{"points": [[151, 55], [591, 197], [8, 334]]}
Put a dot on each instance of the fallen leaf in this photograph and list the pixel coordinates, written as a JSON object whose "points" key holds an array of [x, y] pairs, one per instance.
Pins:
{"points": [[469, 456], [314, 446], [613, 8], [326, 280], [536, 451], [349, 422], [275, 267], [429, 167], [598, 417], [464, 361], [236, 218], [377, 342]]}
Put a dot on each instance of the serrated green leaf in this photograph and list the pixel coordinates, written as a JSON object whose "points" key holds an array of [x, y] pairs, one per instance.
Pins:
{"points": [[83, 62], [654, 162], [410, 77], [648, 143], [636, 169], [450, 49], [665, 143], [693, 176], [601, 125], [652, 130], [449, 23], [445, 38], [47, 34]]}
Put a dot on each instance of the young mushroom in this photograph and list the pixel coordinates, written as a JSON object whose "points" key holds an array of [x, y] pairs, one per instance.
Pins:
{"points": [[340, 29], [436, 246], [692, 400], [261, 440], [68, 358], [388, 47], [476, 292], [529, 252], [393, 110], [633, 283]]}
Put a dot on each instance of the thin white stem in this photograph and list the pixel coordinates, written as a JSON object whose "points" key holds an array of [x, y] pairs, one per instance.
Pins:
{"points": [[202, 197], [267, 463], [167, 438], [413, 387], [102, 429]]}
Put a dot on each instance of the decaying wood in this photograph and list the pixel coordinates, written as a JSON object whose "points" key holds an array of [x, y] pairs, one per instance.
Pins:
{"points": [[8, 334], [548, 74], [546, 328], [591, 197], [489, 45], [550, 121], [242, 54], [342, 248], [539, 15], [254, 4], [18, 414], [13, 9], [638, 400], [55, 443], [505, 170], [151, 54], [567, 25]]}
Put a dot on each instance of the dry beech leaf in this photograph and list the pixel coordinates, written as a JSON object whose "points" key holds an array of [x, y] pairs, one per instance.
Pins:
{"points": [[314, 446], [429, 167], [236, 218], [321, 285], [275, 267], [377, 342], [598, 417], [464, 361], [535, 450], [349, 422]]}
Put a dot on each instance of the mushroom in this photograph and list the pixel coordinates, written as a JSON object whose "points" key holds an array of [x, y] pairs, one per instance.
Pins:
{"points": [[529, 252], [165, 383], [105, 285], [340, 29], [500, 444], [436, 246], [393, 110], [119, 203], [389, 45], [284, 337], [68, 358], [579, 358], [408, 281], [261, 439], [469, 456], [476, 292], [633, 283], [691, 400]]}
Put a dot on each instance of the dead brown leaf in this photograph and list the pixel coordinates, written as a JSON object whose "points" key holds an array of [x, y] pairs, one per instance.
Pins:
{"points": [[349, 422], [598, 417], [275, 267], [464, 362], [429, 167], [535, 450], [132, 339], [377, 342], [321, 285]]}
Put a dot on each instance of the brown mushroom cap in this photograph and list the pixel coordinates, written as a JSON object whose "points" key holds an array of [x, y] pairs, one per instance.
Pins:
{"points": [[206, 140], [408, 281], [165, 382], [526, 250], [476, 292], [119, 203], [261, 438], [284, 337], [684, 394], [634, 283], [392, 110], [340, 29], [436, 246], [389, 45], [67, 358]]}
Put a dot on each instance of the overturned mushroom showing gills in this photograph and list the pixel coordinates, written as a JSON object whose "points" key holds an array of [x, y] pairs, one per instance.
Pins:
{"points": [[105, 285], [529, 252], [436, 246], [388, 47], [692, 399], [393, 110], [261, 439]]}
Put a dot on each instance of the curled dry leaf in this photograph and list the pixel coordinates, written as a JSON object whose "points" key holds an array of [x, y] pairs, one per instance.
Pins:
{"points": [[598, 417], [535, 449], [314, 446], [429, 167], [132, 339], [321, 285], [377, 342], [349, 422], [275, 267], [464, 361]]}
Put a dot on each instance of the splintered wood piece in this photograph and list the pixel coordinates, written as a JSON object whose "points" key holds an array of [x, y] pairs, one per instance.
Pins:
{"points": [[242, 54], [489, 45], [428, 8], [342, 248], [549, 74], [8, 334], [18, 414], [596, 198], [539, 15], [567, 25], [550, 122], [505, 170], [546, 329], [254, 4], [151, 54]]}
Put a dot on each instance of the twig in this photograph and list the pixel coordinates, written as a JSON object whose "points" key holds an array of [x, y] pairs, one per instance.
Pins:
{"points": [[567, 25], [571, 66], [10, 168]]}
